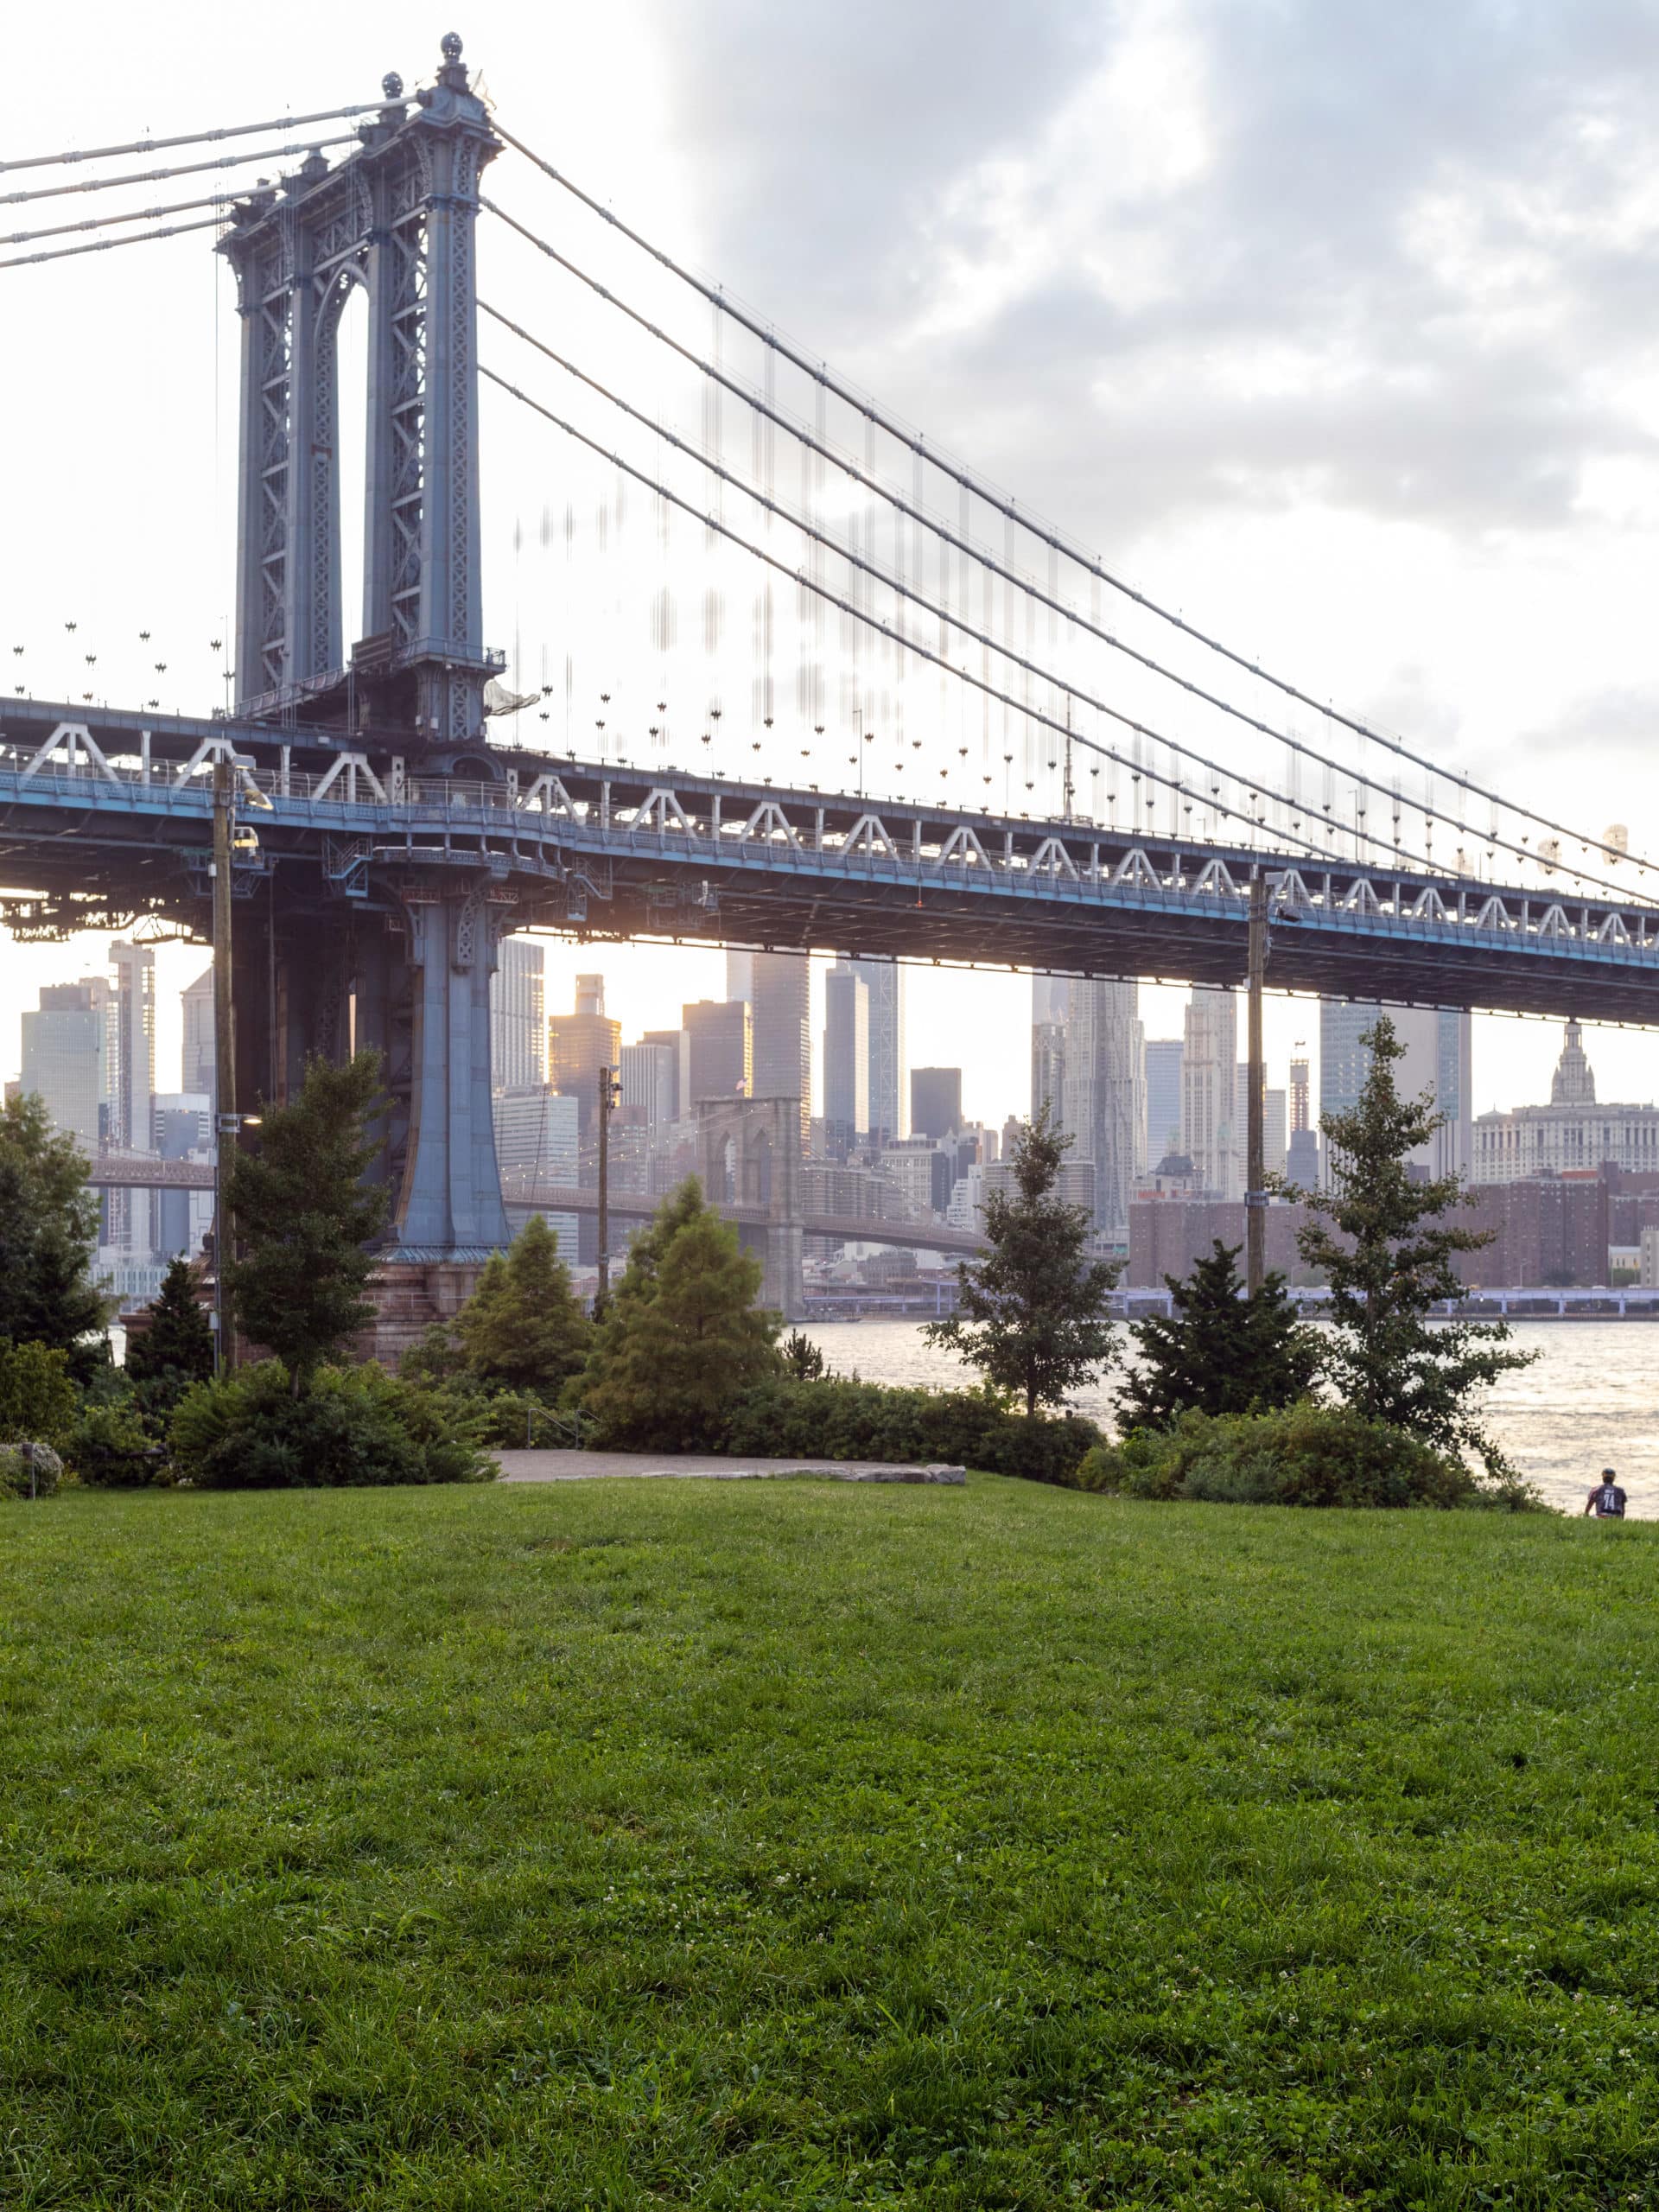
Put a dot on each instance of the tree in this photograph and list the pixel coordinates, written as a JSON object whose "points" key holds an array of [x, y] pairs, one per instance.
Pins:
{"points": [[1380, 1240], [1218, 1353], [176, 1347], [1037, 1306], [683, 1338], [48, 1234], [803, 1361], [523, 1326], [304, 1215]]}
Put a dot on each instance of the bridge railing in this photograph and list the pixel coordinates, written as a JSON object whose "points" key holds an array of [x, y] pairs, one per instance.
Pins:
{"points": [[873, 840]]}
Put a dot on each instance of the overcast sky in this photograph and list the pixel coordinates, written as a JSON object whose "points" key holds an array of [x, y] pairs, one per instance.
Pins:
{"points": [[1332, 325]]}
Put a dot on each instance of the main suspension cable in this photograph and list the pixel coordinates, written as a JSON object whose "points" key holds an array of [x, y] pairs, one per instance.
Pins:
{"points": [[932, 609], [190, 137], [1355, 777], [1008, 508], [802, 577], [105, 222], [180, 168], [103, 246], [1357, 780]]}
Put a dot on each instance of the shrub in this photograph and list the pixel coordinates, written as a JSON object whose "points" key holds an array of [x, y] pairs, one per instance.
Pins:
{"points": [[15, 1477], [842, 1418], [38, 1404], [111, 1449], [355, 1425], [1305, 1454]]}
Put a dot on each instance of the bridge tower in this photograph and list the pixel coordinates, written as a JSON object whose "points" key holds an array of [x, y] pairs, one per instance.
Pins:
{"points": [[401, 962]]}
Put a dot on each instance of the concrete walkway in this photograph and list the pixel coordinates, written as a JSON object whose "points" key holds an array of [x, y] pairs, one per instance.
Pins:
{"points": [[585, 1467]]}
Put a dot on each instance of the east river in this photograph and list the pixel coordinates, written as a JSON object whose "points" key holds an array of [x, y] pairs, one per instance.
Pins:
{"points": [[1590, 1401]]}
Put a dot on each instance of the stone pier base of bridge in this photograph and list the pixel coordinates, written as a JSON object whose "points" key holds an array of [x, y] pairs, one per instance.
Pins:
{"points": [[409, 1296]]}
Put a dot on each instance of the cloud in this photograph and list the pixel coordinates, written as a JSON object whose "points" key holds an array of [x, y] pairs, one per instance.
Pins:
{"points": [[1151, 258]]}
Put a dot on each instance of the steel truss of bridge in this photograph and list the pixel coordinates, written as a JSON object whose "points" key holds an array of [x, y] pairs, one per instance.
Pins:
{"points": [[107, 819]]}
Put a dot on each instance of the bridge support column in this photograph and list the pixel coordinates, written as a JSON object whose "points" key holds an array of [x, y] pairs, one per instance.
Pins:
{"points": [[449, 1206], [749, 1154]]}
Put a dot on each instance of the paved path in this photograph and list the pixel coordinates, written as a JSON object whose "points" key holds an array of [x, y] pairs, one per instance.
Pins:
{"points": [[585, 1466]]}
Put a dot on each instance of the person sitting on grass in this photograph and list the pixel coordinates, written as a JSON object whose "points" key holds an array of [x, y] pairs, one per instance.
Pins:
{"points": [[1606, 1500]]}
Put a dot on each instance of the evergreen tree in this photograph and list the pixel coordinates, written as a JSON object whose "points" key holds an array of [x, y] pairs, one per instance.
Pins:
{"points": [[1218, 1352], [48, 1235], [523, 1326], [1032, 1315], [175, 1348], [1381, 1243], [801, 1359], [304, 1215], [683, 1337]]}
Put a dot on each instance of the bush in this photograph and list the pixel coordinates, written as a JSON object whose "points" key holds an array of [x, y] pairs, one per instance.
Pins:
{"points": [[38, 1402], [16, 1479], [1306, 1454], [840, 1418], [111, 1449], [355, 1425]]}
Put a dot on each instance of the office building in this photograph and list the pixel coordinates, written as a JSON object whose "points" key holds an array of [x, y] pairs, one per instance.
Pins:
{"points": [[1301, 1102], [934, 1102], [132, 1045], [780, 1037], [517, 1016], [196, 1073], [1105, 1106], [580, 1044], [1274, 1134], [651, 1082], [925, 1172], [1050, 996], [885, 981], [846, 1060], [1210, 1137], [181, 1128], [67, 1054], [1048, 1069], [716, 1053], [1569, 1135], [1438, 1061], [538, 1136], [1163, 1058]]}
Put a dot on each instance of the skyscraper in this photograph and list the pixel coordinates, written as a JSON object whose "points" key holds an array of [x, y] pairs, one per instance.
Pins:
{"points": [[1050, 996], [1438, 1054], [1048, 1069], [580, 1044], [651, 1082], [935, 1100], [1209, 1080], [885, 981], [66, 1057], [517, 1014], [132, 1044], [716, 1053], [196, 1074], [1163, 1097], [779, 998], [846, 1060], [1105, 1109]]}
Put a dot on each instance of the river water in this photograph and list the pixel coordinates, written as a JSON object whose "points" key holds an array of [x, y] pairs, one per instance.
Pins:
{"points": [[1591, 1401]]}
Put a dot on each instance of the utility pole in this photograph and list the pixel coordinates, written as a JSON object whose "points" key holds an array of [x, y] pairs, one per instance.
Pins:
{"points": [[224, 1117], [1255, 1172], [609, 1091]]}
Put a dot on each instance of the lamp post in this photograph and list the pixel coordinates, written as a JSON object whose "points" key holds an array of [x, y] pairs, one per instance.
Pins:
{"points": [[609, 1091], [1256, 1174], [227, 1123]]}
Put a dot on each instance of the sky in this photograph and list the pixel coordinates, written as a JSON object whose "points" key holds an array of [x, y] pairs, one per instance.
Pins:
{"points": [[1332, 327]]}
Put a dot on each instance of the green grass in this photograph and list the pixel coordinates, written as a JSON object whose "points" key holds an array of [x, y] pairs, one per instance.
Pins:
{"points": [[803, 1846]]}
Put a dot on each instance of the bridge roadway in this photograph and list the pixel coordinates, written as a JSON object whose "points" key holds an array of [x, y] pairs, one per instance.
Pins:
{"points": [[128, 1171], [106, 817]]}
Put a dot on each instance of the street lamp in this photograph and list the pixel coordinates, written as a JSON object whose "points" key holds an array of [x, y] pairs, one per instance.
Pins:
{"points": [[228, 842]]}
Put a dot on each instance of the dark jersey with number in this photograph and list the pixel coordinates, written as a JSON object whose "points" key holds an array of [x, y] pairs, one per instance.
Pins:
{"points": [[1608, 1501]]}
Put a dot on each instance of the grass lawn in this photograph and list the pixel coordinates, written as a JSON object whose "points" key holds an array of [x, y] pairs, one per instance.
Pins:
{"points": [[634, 1844]]}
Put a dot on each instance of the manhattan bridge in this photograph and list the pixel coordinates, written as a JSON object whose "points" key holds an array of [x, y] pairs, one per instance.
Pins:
{"points": [[806, 679]]}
